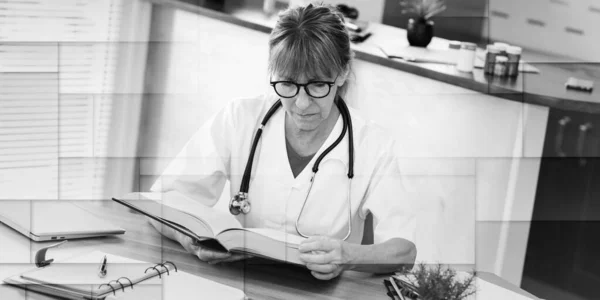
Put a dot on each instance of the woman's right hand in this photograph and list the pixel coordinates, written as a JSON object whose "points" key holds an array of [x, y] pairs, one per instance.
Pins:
{"points": [[204, 254]]}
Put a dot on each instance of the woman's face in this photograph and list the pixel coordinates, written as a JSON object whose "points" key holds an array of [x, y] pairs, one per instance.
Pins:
{"points": [[308, 113]]}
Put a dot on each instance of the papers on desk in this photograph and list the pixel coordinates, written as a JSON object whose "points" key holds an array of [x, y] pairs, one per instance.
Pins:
{"points": [[489, 291], [77, 278]]}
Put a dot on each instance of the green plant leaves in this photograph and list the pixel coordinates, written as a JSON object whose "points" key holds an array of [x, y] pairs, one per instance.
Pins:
{"points": [[441, 283]]}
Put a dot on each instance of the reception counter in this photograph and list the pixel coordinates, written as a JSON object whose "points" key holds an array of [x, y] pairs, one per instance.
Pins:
{"points": [[546, 88]]}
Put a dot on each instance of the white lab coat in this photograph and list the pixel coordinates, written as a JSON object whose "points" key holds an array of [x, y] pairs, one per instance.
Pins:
{"points": [[219, 151]]}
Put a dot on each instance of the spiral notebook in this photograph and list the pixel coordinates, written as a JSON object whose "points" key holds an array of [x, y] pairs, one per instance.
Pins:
{"points": [[77, 278]]}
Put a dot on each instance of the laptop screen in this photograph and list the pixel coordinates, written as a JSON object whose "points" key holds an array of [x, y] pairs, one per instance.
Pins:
{"points": [[48, 218]]}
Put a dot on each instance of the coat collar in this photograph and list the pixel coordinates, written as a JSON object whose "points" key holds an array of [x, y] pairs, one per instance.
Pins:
{"points": [[274, 147]]}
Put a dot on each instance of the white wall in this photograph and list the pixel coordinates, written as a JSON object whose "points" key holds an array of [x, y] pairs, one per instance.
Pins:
{"points": [[463, 152], [542, 25], [369, 10]]}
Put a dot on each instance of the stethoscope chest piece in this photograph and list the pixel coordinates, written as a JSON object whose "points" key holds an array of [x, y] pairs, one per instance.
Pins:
{"points": [[239, 204]]}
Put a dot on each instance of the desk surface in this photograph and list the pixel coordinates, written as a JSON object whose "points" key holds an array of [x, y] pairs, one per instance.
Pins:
{"points": [[259, 279]]}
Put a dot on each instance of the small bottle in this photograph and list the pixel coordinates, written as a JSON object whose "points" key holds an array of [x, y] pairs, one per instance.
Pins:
{"points": [[514, 56], [502, 47], [466, 57], [454, 45], [454, 50], [269, 6], [500, 68], [490, 59]]}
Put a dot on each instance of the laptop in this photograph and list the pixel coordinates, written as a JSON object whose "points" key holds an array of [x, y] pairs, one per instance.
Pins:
{"points": [[49, 220]]}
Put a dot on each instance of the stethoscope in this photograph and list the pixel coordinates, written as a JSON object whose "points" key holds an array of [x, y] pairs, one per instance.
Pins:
{"points": [[240, 203]]}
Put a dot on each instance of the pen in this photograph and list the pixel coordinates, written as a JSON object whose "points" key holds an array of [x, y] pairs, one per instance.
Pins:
{"points": [[415, 59], [352, 27], [391, 293], [393, 282], [102, 270]]}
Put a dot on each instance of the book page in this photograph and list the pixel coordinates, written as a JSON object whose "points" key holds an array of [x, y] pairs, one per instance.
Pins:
{"points": [[268, 243], [217, 221], [183, 222], [291, 240]]}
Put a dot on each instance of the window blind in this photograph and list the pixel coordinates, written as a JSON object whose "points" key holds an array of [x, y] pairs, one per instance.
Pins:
{"points": [[58, 60]]}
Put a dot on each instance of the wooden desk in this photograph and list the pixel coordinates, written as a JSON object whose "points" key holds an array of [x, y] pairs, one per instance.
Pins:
{"points": [[259, 279]]}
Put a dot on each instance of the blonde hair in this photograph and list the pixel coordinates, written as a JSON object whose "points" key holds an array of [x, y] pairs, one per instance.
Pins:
{"points": [[310, 40]]}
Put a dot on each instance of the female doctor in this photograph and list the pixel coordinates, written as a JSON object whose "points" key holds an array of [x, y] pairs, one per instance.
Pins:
{"points": [[317, 170]]}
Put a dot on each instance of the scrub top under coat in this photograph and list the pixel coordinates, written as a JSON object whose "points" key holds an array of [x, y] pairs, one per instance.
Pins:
{"points": [[219, 151]]}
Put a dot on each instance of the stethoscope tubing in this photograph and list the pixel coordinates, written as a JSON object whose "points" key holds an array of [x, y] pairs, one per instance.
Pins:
{"points": [[245, 184], [312, 180]]}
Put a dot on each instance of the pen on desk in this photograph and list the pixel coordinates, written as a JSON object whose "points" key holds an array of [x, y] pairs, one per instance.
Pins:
{"points": [[102, 270], [352, 27], [414, 59], [389, 288], [393, 282]]}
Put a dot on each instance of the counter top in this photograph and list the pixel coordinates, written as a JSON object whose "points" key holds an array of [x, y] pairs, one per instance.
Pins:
{"points": [[546, 88]]}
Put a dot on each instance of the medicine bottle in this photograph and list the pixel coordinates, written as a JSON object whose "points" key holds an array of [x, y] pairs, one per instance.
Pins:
{"points": [[500, 68], [514, 56], [269, 6], [454, 50], [490, 59], [466, 57]]}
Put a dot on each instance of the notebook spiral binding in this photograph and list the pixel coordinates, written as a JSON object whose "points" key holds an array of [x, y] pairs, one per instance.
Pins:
{"points": [[163, 265]]}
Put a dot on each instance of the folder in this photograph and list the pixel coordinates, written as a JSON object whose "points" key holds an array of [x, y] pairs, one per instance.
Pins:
{"points": [[77, 278]]}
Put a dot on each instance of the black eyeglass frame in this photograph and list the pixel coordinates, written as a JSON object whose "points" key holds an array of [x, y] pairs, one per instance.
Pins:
{"points": [[305, 86]]}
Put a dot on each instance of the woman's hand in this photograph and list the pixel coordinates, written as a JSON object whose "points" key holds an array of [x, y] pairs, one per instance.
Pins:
{"points": [[325, 257], [203, 253]]}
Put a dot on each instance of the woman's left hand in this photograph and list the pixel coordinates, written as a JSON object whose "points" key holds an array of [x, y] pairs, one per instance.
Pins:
{"points": [[324, 256]]}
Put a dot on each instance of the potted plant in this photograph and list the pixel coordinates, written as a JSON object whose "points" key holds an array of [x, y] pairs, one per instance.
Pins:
{"points": [[420, 29], [436, 283]]}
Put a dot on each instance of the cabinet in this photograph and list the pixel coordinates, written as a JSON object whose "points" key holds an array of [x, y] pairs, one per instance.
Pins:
{"points": [[569, 155], [561, 260]]}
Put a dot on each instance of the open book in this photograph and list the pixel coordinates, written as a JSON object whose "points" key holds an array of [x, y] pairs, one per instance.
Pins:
{"points": [[213, 228], [77, 278]]}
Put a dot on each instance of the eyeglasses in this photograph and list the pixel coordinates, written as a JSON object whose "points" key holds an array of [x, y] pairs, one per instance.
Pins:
{"points": [[315, 89]]}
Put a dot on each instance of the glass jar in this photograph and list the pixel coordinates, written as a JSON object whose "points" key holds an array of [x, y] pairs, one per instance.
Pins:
{"points": [[500, 66], [514, 56], [490, 59], [466, 57]]}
